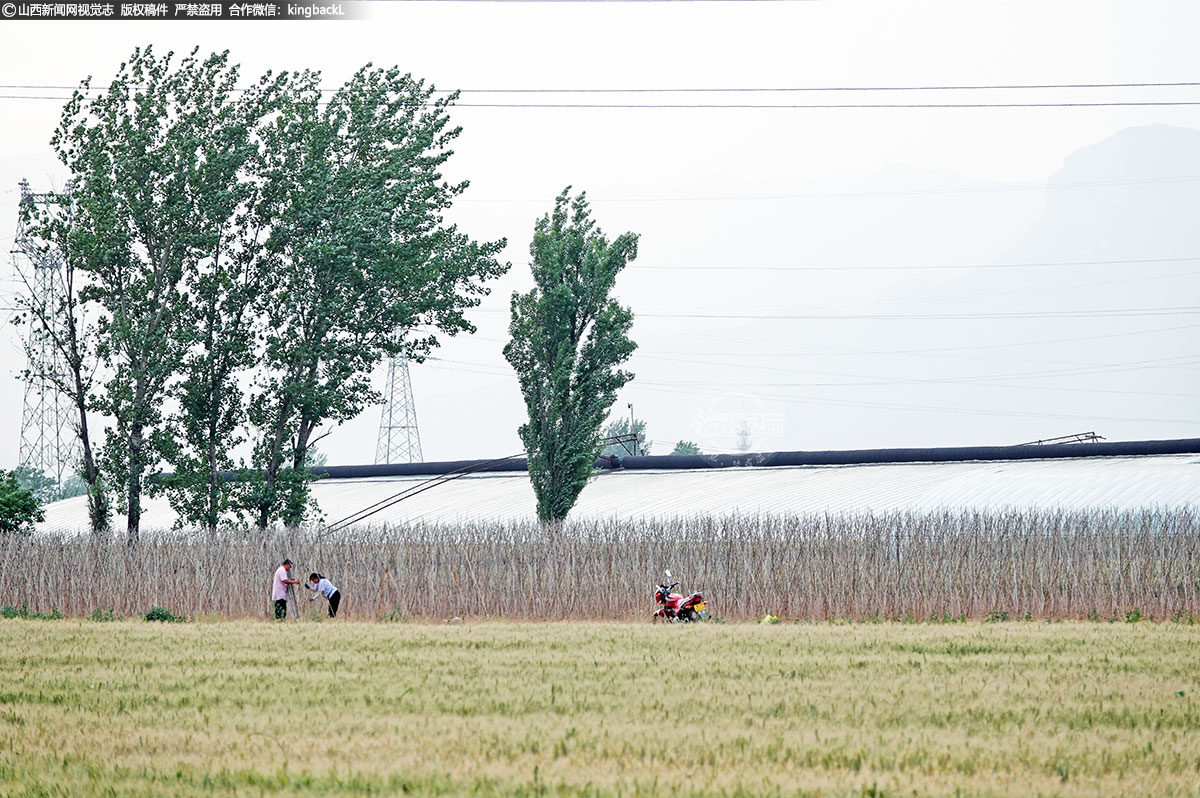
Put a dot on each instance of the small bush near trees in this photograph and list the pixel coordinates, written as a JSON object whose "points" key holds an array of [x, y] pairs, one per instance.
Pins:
{"points": [[24, 612], [163, 614]]}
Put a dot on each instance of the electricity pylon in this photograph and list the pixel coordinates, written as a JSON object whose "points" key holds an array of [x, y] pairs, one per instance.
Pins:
{"points": [[49, 442], [399, 440]]}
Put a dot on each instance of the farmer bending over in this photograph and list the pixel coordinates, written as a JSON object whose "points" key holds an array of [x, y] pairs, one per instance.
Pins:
{"points": [[279, 588], [321, 585]]}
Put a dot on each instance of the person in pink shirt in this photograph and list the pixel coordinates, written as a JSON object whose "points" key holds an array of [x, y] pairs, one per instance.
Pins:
{"points": [[279, 589]]}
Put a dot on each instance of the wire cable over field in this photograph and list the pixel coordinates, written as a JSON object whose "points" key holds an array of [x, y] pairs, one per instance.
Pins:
{"points": [[413, 490]]}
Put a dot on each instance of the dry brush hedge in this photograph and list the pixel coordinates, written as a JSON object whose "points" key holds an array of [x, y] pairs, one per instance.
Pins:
{"points": [[1064, 564]]}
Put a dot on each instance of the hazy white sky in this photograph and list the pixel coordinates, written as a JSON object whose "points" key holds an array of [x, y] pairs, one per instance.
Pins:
{"points": [[773, 193]]}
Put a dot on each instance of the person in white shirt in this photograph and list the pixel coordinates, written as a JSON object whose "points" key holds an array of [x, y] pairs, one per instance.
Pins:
{"points": [[279, 588], [323, 587]]}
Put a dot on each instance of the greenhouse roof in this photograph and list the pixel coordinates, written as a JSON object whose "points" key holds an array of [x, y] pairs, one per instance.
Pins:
{"points": [[449, 495]]}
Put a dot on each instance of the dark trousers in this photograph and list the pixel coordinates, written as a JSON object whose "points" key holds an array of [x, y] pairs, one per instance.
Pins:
{"points": [[280, 609], [334, 601]]}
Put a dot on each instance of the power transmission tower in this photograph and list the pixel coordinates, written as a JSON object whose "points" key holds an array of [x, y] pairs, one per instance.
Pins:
{"points": [[743, 437], [399, 440], [49, 442]]}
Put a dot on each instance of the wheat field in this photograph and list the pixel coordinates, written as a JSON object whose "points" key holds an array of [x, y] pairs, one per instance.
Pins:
{"points": [[341, 708]]}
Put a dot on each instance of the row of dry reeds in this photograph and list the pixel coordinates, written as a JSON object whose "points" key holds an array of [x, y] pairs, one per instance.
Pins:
{"points": [[1065, 564]]}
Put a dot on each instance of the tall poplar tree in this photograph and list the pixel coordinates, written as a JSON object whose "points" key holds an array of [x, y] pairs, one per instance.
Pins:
{"points": [[61, 318], [218, 325], [363, 264], [568, 337], [149, 160]]}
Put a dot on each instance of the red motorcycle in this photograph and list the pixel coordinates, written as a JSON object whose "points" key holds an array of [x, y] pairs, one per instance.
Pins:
{"points": [[677, 609]]}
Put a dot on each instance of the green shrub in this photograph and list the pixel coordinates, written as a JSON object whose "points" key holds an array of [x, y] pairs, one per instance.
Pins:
{"points": [[162, 614], [24, 612], [102, 614], [996, 616]]}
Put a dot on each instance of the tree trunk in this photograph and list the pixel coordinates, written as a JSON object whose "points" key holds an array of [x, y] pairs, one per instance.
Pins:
{"points": [[293, 508], [271, 472], [212, 513], [98, 514], [216, 381], [300, 455], [134, 507]]}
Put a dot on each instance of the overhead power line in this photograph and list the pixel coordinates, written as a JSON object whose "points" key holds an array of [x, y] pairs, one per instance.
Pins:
{"points": [[832, 106], [1180, 361], [794, 89], [921, 408], [972, 382], [1183, 310], [706, 391], [1062, 314], [757, 106], [867, 194], [727, 89], [762, 106], [829, 106], [849, 353], [1033, 264], [877, 380], [873, 352], [489, 370]]}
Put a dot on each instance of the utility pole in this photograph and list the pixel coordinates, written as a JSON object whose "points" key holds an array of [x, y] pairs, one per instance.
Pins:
{"points": [[631, 429], [49, 443], [399, 440]]}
